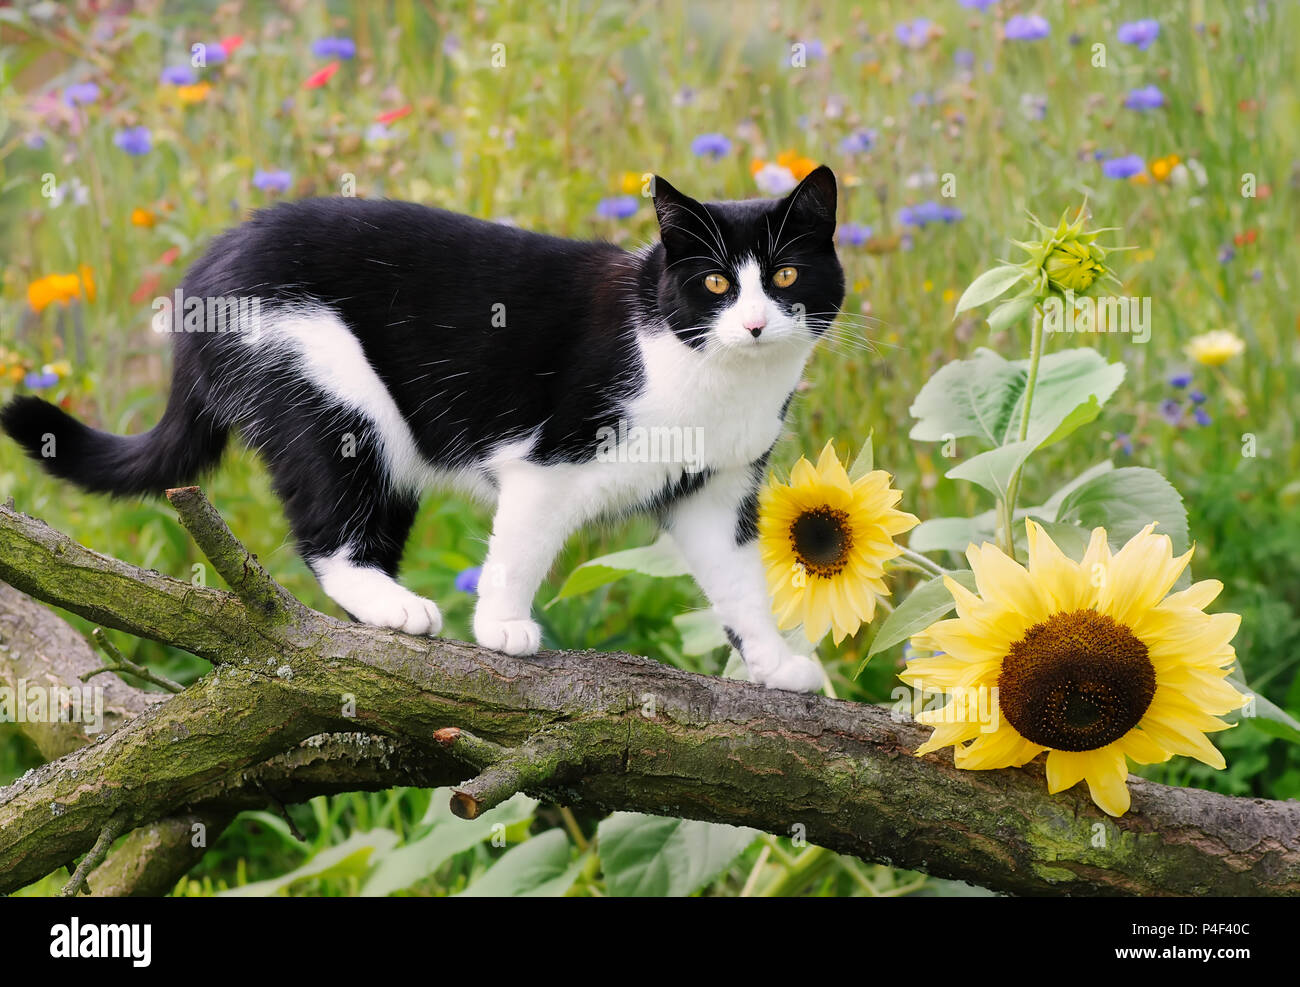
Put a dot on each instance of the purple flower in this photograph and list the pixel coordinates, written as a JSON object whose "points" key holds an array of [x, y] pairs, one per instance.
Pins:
{"points": [[34, 141], [618, 207], [467, 579], [964, 58], [334, 48], [927, 213], [178, 75], [39, 381], [854, 234], [81, 93], [1198, 397], [980, 5], [1125, 443], [1171, 411], [213, 52], [913, 34], [1141, 33], [135, 141], [814, 48], [1180, 379], [1028, 27], [1125, 167], [1226, 255], [1146, 98], [272, 181], [1202, 416], [858, 142], [710, 145]]}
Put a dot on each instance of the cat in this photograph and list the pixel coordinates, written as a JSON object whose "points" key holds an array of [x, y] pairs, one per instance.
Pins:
{"points": [[370, 350]]}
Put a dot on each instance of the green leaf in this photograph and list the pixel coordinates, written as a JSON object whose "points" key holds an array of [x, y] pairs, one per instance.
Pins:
{"points": [[988, 286], [929, 602], [449, 836], [1010, 312], [952, 534], [662, 559], [701, 632], [537, 868], [1124, 501], [351, 858], [1269, 718], [865, 462], [653, 857]]}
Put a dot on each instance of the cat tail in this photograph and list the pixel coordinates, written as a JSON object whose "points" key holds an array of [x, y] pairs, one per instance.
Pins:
{"points": [[173, 453]]}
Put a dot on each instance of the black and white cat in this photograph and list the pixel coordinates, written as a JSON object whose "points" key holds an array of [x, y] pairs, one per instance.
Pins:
{"points": [[391, 348]]}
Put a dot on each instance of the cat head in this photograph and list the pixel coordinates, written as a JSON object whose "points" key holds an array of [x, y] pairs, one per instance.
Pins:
{"points": [[751, 275]]}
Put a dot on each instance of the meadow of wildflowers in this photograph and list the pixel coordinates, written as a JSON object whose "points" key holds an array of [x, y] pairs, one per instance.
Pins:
{"points": [[129, 139]]}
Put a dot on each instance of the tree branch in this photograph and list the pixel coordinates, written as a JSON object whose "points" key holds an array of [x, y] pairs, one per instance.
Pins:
{"points": [[638, 735]]}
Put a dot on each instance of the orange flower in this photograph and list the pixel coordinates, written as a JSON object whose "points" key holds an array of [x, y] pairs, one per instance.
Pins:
{"points": [[799, 166], [61, 288], [87, 281], [142, 217], [1161, 167], [196, 93], [318, 79]]}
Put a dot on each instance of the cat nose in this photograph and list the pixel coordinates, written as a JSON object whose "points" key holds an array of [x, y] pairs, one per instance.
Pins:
{"points": [[755, 326]]}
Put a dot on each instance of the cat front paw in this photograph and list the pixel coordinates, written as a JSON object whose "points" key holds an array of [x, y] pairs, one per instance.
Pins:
{"points": [[518, 636], [796, 674], [399, 609]]}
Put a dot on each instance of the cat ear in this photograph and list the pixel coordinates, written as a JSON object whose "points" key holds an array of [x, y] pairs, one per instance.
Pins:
{"points": [[679, 217], [813, 201]]}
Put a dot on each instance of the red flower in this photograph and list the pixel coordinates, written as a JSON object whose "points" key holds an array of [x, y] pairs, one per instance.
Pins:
{"points": [[231, 44], [148, 288], [169, 256], [388, 116], [1241, 239], [318, 79]]}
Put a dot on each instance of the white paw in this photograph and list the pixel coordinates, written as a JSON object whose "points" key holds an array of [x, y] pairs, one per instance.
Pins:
{"points": [[796, 674], [401, 610], [519, 636]]}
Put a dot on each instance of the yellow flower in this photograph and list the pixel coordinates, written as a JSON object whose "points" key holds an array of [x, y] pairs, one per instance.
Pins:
{"points": [[142, 217], [799, 166], [824, 540], [196, 93], [629, 183], [1071, 267], [1091, 662], [1162, 167], [1214, 349]]}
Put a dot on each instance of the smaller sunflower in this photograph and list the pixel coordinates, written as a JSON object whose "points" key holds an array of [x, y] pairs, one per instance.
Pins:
{"points": [[1094, 662], [825, 539]]}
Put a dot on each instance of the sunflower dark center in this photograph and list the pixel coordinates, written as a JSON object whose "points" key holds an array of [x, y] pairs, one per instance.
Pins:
{"points": [[821, 539], [1076, 682]]}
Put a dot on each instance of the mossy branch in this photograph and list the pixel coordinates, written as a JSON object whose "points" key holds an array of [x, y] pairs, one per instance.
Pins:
{"points": [[637, 736]]}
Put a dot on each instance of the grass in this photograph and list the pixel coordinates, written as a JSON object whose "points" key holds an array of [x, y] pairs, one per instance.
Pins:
{"points": [[589, 98]]}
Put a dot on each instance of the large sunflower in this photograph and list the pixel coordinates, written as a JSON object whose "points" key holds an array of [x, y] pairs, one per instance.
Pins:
{"points": [[1089, 661], [825, 540]]}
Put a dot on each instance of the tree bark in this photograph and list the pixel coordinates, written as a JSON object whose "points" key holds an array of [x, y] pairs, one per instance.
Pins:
{"points": [[600, 731]]}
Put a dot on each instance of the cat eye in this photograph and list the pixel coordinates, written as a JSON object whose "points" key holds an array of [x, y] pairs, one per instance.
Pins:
{"points": [[784, 277], [716, 283]]}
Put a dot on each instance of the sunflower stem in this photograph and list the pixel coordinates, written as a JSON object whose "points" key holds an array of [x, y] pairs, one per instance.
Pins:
{"points": [[1013, 487]]}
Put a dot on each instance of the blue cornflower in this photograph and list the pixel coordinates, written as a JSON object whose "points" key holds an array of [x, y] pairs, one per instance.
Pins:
{"points": [[1125, 167], [1141, 33], [980, 5], [39, 380], [467, 579], [854, 234], [1180, 379], [964, 58], [928, 212], [618, 207], [136, 141], [1202, 416], [858, 142], [1197, 397], [273, 180], [334, 48], [214, 53], [1226, 255], [81, 93], [1125, 442], [914, 34], [814, 48], [711, 145], [1027, 27], [1146, 98], [178, 75], [1171, 411]]}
